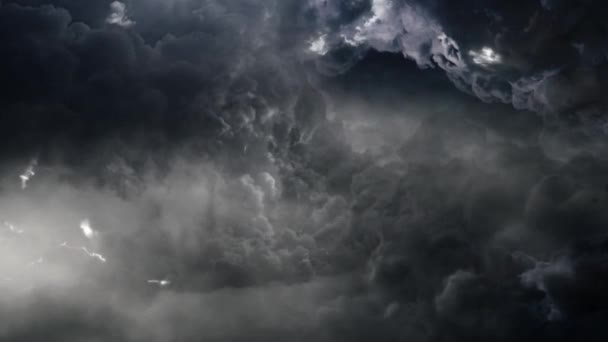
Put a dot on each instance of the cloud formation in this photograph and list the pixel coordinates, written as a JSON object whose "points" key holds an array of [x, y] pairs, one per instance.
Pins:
{"points": [[275, 170], [541, 56]]}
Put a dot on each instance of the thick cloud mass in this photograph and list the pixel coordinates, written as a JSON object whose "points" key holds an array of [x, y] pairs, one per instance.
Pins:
{"points": [[260, 170], [545, 56]]}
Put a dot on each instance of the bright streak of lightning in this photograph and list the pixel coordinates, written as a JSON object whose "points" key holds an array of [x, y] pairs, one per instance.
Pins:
{"points": [[85, 250], [28, 174], [94, 255]]}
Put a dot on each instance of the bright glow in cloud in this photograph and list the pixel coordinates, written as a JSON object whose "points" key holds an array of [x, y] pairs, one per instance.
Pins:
{"points": [[319, 46], [118, 15], [486, 56], [87, 230], [375, 26], [160, 283]]}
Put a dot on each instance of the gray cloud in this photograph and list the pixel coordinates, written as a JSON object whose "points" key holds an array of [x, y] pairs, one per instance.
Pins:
{"points": [[249, 170], [540, 56]]}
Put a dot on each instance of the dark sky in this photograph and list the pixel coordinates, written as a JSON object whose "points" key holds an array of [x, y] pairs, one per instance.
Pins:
{"points": [[303, 170]]}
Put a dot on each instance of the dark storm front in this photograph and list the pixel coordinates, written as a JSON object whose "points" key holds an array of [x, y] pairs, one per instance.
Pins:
{"points": [[318, 170]]}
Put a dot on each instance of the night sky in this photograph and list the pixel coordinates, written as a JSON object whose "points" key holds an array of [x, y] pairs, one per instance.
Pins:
{"points": [[303, 170]]}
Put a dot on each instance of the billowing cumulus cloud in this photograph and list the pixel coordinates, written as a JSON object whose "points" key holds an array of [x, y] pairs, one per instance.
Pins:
{"points": [[249, 170], [538, 55]]}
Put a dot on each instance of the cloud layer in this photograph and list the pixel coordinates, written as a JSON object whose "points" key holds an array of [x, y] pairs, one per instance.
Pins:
{"points": [[276, 170], [543, 56]]}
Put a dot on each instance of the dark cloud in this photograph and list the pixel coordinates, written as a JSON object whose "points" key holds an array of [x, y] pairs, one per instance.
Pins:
{"points": [[543, 56], [253, 170]]}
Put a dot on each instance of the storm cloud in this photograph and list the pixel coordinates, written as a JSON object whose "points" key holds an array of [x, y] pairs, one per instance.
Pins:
{"points": [[367, 170]]}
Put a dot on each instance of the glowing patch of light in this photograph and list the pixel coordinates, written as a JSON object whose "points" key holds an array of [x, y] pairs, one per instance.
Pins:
{"points": [[160, 283], [27, 174], [381, 9], [319, 46], [486, 56], [87, 230], [12, 228], [118, 15]]}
